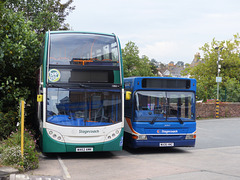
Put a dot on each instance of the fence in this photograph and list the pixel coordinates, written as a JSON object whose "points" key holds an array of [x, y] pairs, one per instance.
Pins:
{"points": [[226, 109]]}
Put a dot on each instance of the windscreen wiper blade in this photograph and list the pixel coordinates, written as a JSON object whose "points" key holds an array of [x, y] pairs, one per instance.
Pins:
{"points": [[180, 120], [154, 120], [54, 85], [83, 85]]}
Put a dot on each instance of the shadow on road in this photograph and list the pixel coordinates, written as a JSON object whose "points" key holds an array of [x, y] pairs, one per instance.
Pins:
{"points": [[156, 150], [85, 155], [115, 154]]}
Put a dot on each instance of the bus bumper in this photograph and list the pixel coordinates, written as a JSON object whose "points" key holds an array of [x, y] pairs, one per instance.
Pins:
{"points": [[49, 145], [159, 141]]}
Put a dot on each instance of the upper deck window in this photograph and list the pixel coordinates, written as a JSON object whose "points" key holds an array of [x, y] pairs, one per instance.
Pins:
{"points": [[83, 49]]}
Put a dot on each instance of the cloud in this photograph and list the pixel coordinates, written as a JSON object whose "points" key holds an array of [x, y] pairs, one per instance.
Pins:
{"points": [[159, 49], [164, 30]]}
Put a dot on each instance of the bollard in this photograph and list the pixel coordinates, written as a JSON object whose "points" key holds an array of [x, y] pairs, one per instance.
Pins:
{"points": [[217, 109], [22, 127]]}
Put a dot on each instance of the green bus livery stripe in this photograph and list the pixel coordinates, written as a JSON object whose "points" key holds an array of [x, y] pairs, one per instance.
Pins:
{"points": [[45, 57], [51, 146]]}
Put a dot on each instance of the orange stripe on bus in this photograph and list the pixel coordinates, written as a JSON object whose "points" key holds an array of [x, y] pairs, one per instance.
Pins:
{"points": [[130, 125]]}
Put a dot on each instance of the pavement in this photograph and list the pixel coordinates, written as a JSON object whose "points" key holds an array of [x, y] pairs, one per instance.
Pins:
{"points": [[6, 171], [48, 169]]}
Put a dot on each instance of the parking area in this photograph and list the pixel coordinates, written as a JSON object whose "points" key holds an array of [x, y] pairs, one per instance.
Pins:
{"points": [[216, 156]]}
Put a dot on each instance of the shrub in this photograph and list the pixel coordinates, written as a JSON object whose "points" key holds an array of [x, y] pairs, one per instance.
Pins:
{"points": [[12, 156], [8, 123], [11, 151]]}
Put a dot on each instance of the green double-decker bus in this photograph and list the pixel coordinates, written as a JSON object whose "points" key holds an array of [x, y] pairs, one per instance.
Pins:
{"points": [[80, 92]]}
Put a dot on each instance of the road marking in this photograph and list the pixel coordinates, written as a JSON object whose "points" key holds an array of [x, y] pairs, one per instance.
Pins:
{"points": [[66, 173]]}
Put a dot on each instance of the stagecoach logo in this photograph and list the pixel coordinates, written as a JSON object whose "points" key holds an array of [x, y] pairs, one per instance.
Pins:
{"points": [[54, 75], [88, 131], [169, 131]]}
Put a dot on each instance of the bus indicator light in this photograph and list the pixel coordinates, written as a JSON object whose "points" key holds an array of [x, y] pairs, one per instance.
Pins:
{"points": [[135, 137], [140, 137]]}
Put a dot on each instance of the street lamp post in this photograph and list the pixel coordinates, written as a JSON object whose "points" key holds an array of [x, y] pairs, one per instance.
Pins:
{"points": [[218, 80]]}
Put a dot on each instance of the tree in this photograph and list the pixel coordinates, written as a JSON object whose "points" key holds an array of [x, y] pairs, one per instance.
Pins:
{"points": [[134, 65], [22, 24], [130, 59], [19, 49], [145, 68], [44, 14], [206, 71], [153, 65]]}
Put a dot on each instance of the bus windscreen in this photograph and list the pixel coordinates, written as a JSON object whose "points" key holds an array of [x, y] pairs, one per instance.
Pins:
{"points": [[83, 49]]}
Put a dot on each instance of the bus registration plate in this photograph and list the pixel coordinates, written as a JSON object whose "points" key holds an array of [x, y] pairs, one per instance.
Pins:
{"points": [[84, 149], [166, 144]]}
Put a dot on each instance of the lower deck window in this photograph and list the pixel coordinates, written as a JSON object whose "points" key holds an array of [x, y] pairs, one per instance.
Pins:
{"points": [[83, 107]]}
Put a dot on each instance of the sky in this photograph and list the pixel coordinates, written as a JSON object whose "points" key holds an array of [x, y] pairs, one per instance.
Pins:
{"points": [[166, 30]]}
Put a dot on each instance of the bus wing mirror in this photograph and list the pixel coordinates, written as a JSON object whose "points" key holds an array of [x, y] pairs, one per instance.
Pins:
{"points": [[39, 98], [128, 95]]}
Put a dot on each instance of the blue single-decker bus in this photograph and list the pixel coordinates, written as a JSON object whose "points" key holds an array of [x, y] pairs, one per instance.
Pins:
{"points": [[159, 112]]}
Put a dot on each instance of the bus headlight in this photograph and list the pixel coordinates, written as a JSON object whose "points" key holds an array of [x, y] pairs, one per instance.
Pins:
{"points": [[190, 136], [55, 135], [113, 134]]}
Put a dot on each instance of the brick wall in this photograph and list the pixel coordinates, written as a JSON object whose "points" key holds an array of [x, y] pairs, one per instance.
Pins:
{"points": [[208, 110]]}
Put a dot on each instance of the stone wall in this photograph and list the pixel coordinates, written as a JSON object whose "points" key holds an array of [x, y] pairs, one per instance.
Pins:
{"points": [[226, 109]]}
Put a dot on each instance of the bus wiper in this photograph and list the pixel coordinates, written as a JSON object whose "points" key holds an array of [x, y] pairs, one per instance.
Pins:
{"points": [[180, 120], [83, 85], [54, 85], [154, 120]]}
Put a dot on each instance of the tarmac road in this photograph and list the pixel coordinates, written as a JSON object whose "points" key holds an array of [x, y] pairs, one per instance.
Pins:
{"points": [[216, 156]]}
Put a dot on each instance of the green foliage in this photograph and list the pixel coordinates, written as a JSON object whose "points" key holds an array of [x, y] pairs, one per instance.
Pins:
{"points": [[44, 14], [231, 93], [22, 24], [153, 65], [145, 68], [19, 56], [134, 65], [11, 151], [12, 156], [8, 123], [12, 92], [206, 71]]}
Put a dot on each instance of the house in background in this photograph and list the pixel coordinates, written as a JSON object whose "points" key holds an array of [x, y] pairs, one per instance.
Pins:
{"points": [[174, 70]]}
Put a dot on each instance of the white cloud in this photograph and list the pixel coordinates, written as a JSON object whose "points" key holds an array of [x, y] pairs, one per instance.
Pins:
{"points": [[165, 30], [159, 49]]}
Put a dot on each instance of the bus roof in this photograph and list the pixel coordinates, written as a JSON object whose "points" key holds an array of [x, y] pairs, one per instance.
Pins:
{"points": [[160, 83], [80, 32], [150, 77]]}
